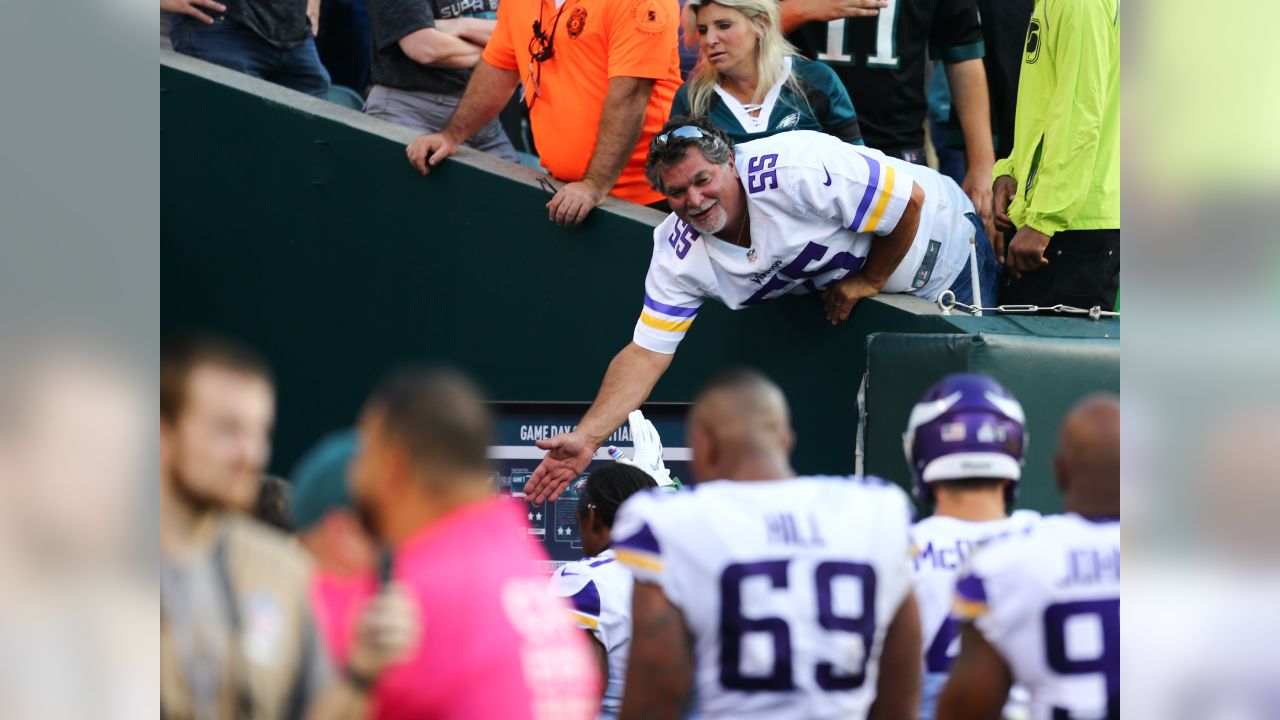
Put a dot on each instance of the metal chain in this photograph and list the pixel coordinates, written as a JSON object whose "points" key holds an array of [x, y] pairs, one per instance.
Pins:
{"points": [[947, 302]]}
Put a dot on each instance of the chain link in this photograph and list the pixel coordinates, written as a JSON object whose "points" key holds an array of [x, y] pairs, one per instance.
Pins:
{"points": [[947, 302]]}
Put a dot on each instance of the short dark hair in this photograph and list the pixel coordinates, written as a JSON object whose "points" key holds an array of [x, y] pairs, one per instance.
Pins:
{"points": [[439, 416], [183, 353], [608, 487], [667, 150], [736, 378]]}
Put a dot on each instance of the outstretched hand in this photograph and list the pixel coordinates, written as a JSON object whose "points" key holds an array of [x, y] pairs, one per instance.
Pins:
{"points": [[568, 454]]}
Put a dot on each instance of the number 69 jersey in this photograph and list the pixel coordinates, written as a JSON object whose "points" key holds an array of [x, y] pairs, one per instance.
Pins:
{"points": [[1049, 604], [787, 587]]}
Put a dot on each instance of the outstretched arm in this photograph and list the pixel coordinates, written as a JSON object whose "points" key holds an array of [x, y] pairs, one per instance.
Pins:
{"points": [[629, 380]]}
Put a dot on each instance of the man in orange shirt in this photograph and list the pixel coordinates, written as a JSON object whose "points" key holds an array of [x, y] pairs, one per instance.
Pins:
{"points": [[599, 77]]}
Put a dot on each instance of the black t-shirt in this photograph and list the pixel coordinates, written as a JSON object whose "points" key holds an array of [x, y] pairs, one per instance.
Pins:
{"points": [[283, 23], [393, 19], [882, 60]]}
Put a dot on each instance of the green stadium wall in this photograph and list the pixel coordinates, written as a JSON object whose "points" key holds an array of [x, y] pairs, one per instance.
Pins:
{"points": [[298, 226]]}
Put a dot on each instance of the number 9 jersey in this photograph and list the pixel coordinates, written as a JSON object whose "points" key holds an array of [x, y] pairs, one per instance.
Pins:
{"points": [[787, 587], [1049, 603]]}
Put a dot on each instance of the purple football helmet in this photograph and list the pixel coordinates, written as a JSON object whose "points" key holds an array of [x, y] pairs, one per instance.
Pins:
{"points": [[965, 426]]}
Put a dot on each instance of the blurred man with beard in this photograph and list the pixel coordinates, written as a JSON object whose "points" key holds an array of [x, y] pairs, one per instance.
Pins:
{"points": [[497, 645], [237, 639]]}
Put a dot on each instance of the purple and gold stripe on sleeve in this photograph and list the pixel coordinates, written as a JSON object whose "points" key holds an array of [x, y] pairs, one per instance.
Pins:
{"points": [[876, 197], [586, 606], [971, 598], [639, 550], [669, 318]]}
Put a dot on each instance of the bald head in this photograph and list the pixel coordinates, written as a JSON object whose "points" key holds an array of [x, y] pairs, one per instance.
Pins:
{"points": [[740, 429], [1088, 461]]}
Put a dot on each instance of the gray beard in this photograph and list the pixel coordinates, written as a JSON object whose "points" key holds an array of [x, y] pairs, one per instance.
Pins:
{"points": [[710, 226]]}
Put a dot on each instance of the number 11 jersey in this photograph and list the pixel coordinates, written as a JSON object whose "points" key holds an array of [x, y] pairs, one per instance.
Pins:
{"points": [[787, 587]]}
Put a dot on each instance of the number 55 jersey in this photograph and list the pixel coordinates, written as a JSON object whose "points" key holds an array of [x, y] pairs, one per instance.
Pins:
{"points": [[815, 205], [1049, 603], [787, 587]]}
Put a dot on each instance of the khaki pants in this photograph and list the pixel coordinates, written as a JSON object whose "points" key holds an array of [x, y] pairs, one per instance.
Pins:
{"points": [[429, 112]]}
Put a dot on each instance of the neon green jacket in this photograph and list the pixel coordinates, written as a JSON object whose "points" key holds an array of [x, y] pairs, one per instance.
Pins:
{"points": [[1066, 148]]}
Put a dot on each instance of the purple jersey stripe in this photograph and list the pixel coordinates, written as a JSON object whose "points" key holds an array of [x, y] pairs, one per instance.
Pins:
{"points": [[971, 589], [872, 182], [673, 310], [643, 540], [587, 600]]}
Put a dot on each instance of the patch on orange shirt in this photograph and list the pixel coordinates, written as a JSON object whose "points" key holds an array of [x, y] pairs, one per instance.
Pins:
{"points": [[651, 16], [577, 21]]}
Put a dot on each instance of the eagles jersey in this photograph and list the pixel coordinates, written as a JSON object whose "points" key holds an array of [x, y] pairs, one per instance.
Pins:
{"points": [[1049, 604], [824, 106], [940, 546], [787, 587], [882, 60], [599, 590], [815, 203]]}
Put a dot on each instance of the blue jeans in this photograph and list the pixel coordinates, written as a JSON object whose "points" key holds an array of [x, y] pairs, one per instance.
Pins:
{"points": [[232, 45], [988, 269]]}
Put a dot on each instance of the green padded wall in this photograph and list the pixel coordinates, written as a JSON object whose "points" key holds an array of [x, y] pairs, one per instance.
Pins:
{"points": [[298, 226], [1048, 375]]}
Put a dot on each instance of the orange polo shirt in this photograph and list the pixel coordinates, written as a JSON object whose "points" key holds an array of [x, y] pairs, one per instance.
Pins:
{"points": [[595, 40]]}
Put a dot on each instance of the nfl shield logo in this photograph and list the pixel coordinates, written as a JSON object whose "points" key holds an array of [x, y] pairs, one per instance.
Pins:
{"points": [[751, 255]]}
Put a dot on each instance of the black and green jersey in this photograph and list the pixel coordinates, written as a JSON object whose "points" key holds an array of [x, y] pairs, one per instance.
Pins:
{"points": [[882, 60], [824, 107]]}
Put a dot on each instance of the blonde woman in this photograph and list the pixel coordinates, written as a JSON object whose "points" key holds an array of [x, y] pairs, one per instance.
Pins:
{"points": [[751, 83]]}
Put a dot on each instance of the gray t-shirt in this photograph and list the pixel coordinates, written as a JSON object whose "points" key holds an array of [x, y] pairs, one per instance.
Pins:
{"points": [[392, 20]]}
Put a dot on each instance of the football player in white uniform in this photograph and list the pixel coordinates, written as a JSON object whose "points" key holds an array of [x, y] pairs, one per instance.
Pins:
{"points": [[964, 443], [796, 212], [765, 595], [598, 587], [1044, 610]]}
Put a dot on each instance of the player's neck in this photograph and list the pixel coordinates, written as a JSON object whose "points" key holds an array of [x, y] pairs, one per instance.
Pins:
{"points": [[970, 505], [750, 468], [413, 515]]}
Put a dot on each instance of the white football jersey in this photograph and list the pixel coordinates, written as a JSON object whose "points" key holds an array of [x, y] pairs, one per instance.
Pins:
{"points": [[599, 590], [1049, 603], [814, 203], [940, 546], [787, 587]]}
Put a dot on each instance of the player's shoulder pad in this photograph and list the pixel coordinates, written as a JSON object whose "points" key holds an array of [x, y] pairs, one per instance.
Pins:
{"points": [[569, 579], [639, 524]]}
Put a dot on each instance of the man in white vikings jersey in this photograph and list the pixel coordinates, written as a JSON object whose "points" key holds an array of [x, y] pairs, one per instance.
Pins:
{"points": [[794, 213], [759, 594], [1044, 610], [964, 443], [598, 587]]}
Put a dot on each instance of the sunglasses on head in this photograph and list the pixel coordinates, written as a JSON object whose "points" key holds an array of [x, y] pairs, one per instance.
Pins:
{"points": [[688, 132]]}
